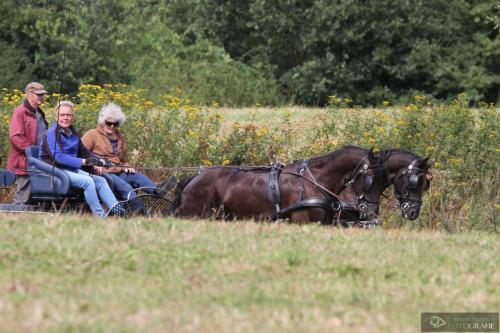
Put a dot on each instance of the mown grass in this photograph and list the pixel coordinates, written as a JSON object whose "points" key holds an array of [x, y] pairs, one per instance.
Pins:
{"points": [[164, 275]]}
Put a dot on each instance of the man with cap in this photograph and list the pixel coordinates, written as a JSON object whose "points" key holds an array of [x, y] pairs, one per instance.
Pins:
{"points": [[27, 128]]}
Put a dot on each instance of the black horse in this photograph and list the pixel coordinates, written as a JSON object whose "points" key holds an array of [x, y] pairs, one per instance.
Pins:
{"points": [[302, 191], [409, 173]]}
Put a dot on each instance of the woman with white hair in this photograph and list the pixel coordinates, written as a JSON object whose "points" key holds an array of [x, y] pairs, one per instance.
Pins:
{"points": [[108, 142]]}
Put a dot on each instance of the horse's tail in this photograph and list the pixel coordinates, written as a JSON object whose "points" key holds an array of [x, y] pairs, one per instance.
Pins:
{"points": [[177, 196]]}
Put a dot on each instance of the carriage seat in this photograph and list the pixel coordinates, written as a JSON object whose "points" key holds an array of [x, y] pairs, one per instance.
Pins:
{"points": [[48, 182], [7, 180]]}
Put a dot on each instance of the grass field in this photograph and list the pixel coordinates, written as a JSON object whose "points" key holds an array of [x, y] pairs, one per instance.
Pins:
{"points": [[265, 114], [300, 117], [66, 274]]}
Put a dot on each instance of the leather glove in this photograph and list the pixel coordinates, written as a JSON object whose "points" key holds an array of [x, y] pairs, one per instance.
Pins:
{"points": [[104, 163], [91, 161]]}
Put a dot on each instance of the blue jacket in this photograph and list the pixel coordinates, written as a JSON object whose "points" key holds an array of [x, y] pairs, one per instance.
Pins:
{"points": [[67, 150]]}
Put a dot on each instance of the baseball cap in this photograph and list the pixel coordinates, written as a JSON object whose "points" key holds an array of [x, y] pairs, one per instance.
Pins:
{"points": [[36, 88]]}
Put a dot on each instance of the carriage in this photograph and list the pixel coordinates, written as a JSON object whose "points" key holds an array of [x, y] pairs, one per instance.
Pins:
{"points": [[341, 187], [51, 192]]}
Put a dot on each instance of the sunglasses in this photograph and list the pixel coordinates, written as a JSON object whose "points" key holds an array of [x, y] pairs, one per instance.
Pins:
{"points": [[114, 124]]}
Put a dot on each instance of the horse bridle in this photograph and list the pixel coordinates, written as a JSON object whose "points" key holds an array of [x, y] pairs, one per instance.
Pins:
{"points": [[362, 171], [413, 173]]}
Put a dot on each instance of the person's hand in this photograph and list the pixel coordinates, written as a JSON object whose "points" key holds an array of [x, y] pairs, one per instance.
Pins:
{"points": [[98, 170], [129, 170]]}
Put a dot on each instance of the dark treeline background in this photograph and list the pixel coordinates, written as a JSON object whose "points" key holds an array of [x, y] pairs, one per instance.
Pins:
{"points": [[260, 51]]}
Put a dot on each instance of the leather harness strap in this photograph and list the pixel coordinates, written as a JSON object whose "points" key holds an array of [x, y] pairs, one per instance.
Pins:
{"points": [[274, 188], [329, 203], [302, 170]]}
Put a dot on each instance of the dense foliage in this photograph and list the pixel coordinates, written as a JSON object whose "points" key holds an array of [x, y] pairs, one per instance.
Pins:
{"points": [[248, 52]]}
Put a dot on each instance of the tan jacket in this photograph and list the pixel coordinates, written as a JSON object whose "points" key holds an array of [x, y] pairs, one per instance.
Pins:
{"points": [[97, 141]]}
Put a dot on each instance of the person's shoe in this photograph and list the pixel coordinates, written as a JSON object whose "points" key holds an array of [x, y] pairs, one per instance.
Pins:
{"points": [[168, 184], [159, 192]]}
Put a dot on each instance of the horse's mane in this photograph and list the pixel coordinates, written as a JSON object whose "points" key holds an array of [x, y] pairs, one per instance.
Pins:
{"points": [[331, 155], [384, 154]]}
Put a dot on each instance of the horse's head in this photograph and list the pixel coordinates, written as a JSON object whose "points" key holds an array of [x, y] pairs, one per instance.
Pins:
{"points": [[367, 182], [411, 177]]}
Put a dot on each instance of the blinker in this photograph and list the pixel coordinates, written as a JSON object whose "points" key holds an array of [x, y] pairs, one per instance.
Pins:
{"points": [[367, 182], [413, 183]]}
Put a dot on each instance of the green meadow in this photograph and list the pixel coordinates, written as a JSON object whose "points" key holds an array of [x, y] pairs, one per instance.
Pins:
{"points": [[79, 274]]}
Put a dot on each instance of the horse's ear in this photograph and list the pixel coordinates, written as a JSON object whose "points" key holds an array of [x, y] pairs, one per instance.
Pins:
{"points": [[426, 163], [371, 155], [429, 163]]}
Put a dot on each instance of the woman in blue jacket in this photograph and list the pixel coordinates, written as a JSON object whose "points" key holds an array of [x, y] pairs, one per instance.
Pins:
{"points": [[63, 146]]}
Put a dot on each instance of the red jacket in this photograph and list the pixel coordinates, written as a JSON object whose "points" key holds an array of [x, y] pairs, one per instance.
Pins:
{"points": [[22, 133]]}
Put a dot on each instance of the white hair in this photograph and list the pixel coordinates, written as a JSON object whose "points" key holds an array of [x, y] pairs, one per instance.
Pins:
{"points": [[111, 112], [64, 103]]}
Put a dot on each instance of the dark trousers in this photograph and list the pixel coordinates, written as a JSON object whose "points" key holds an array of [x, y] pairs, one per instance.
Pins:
{"points": [[125, 183]]}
